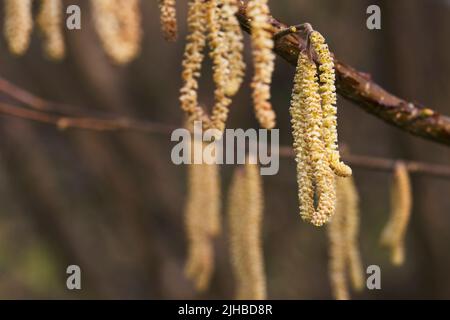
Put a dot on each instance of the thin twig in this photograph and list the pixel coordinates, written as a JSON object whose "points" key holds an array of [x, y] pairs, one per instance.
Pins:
{"points": [[43, 111], [91, 123]]}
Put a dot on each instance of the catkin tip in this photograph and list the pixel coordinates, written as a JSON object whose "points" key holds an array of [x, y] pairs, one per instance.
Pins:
{"points": [[202, 218], [18, 25], [168, 16]]}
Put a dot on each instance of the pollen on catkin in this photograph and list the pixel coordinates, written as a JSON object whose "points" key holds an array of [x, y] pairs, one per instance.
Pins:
{"points": [[118, 24], [168, 17], [393, 235], [263, 61], [18, 25], [327, 91], [202, 218], [314, 175], [245, 211], [50, 22], [234, 40]]}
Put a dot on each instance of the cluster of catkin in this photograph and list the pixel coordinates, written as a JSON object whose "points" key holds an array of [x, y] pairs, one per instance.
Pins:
{"points": [[343, 232], [118, 25], [245, 214], [393, 235], [19, 26], [313, 114], [202, 218], [212, 23]]}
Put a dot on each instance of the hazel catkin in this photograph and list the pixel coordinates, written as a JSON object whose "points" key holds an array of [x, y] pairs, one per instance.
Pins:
{"points": [[50, 22], [218, 50], [234, 41], [337, 258], [327, 91], [393, 235], [245, 211], [18, 25], [348, 206], [263, 61], [192, 61], [118, 25], [313, 173], [343, 229]]}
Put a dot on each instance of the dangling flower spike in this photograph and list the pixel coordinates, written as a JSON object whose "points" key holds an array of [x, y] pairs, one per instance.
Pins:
{"points": [[263, 62], [50, 21]]}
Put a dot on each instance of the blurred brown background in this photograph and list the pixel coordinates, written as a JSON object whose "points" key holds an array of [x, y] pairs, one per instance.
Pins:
{"points": [[112, 203]]}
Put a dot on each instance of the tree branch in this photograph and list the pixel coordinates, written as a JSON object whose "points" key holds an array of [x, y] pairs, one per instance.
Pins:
{"points": [[359, 88]]}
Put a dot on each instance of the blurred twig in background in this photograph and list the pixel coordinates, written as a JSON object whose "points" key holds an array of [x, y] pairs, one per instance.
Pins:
{"points": [[48, 112]]}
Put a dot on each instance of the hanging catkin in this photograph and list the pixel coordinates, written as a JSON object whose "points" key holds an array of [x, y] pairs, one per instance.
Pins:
{"points": [[18, 25], [337, 257], [343, 229], [312, 167], [218, 51], [245, 211], [51, 25], [348, 206], [118, 24], [263, 61], [327, 91], [235, 46], [393, 235], [168, 16], [202, 214], [192, 62]]}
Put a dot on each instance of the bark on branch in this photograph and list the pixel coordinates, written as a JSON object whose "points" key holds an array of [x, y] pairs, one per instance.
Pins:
{"points": [[358, 87]]}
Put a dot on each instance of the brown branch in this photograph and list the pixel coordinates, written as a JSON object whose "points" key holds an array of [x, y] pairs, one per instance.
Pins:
{"points": [[358, 87]]}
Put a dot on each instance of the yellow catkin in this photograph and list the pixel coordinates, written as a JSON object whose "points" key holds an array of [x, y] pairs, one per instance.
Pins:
{"points": [[50, 22], [338, 257], [192, 61], [348, 207], [263, 61], [168, 16], [202, 214], [393, 235], [305, 174], [18, 25], [118, 24], [235, 46], [218, 50], [328, 95], [312, 167], [245, 212]]}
